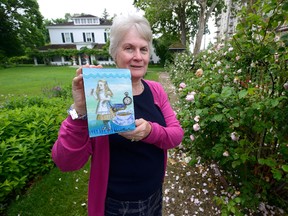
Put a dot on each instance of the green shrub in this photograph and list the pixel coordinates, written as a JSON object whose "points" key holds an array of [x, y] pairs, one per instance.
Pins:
{"points": [[58, 91], [28, 129], [234, 107]]}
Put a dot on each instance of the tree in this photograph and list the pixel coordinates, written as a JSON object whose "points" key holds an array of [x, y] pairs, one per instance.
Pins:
{"points": [[161, 46], [180, 17], [172, 17], [105, 14], [206, 9], [21, 27]]}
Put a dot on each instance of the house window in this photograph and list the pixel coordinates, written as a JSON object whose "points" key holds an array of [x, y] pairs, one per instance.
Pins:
{"points": [[67, 37], [96, 21], [88, 37], [83, 21]]}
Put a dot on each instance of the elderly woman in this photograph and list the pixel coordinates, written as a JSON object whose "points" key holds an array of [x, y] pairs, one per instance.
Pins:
{"points": [[127, 169]]}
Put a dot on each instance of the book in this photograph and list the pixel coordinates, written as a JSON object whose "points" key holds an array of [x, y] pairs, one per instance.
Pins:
{"points": [[109, 100]]}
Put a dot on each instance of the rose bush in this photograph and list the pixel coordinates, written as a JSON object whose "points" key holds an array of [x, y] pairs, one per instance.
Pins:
{"points": [[240, 102]]}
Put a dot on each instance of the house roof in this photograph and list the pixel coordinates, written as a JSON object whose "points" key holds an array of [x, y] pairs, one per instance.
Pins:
{"points": [[63, 24], [177, 46], [102, 22], [57, 46], [84, 16]]}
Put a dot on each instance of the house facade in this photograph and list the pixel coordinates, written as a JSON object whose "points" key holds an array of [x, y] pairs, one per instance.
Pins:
{"points": [[86, 32], [227, 21]]}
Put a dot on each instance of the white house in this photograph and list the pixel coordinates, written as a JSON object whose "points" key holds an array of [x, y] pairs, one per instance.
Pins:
{"points": [[81, 32]]}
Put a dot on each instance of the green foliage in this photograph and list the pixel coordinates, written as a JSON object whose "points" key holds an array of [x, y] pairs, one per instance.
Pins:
{"points": [[72, 53], [21, 27], [58, 91], [161, 45], [20, 60], [176, 18], [55, 194], [241, 99], [28, 129]]}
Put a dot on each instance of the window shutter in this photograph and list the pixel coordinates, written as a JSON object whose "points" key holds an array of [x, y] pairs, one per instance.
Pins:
{"points": [[105, 37], [93, 38], [84, 37], [63, 38], [72, 39]]}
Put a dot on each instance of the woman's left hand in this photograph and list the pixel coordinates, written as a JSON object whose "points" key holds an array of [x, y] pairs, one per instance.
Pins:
{"points": [[142, 130]]}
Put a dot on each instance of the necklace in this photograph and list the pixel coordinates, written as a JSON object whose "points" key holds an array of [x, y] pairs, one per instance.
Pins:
{"points": [[138, 90]]}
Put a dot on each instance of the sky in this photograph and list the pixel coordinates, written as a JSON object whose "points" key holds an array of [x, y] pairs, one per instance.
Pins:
{"points": [[53, 9]]}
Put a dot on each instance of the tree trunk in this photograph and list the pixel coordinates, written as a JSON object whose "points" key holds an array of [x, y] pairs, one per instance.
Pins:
{"points": [[200, 32], [182, 20], [203, 19]]}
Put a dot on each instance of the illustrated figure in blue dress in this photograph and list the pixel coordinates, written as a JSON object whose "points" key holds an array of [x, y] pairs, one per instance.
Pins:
{"points": [[103, 95]]}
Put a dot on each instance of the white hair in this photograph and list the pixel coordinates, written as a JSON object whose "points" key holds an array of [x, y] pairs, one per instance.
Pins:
{"points": [[122, 24]]}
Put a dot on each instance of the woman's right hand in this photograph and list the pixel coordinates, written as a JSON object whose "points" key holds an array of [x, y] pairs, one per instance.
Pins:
{"points": [[78, 90]]}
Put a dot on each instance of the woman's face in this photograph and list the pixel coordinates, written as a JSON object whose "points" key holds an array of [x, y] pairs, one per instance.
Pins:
{"points": [[133, 53], [101, 85]]}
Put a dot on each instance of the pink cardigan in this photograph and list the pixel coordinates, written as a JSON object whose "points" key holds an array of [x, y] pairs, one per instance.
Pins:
{"points": [[73, 148]]}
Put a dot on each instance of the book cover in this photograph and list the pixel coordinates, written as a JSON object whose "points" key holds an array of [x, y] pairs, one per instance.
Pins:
{"points": [[109, 100]]}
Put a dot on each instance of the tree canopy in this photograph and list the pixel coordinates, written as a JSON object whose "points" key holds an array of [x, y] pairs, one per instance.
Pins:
{"points": [[182, 18], [21, 27]]}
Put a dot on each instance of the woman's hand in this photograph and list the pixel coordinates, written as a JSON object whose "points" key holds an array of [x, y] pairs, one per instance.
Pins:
{"points": [[78, 90], [142, 130]]}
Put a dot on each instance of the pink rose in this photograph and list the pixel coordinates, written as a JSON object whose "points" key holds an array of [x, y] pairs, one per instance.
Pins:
{"points": [[196, 127], [234, 136], [189, 97], [192, 138], [226, 154], [197, 118], [182, 85]]}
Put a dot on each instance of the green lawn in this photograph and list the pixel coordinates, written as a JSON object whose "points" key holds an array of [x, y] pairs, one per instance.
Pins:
{"points": [[32, 81], [57, 193]]}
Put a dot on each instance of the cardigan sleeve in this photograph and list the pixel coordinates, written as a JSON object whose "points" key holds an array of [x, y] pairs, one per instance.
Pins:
{"points": [[73, 148], [164, 137]]}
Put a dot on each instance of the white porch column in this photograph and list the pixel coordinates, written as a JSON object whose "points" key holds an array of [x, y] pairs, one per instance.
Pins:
{"points": [[74, 61], [62, 60], [35, 61], [87, 59], [79, 60]]}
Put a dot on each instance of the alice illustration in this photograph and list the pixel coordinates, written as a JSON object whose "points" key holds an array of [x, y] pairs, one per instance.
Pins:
{"points": [[103, 95]]}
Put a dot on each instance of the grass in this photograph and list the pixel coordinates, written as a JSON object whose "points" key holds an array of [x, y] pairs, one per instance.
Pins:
{"points": [[57, 193], [34, 80]]}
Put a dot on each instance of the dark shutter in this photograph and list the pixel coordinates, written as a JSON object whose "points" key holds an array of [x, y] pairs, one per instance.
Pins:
{"points": [[84, 37], [72, 39], [93, 38], [63, 38], [105, 37]]}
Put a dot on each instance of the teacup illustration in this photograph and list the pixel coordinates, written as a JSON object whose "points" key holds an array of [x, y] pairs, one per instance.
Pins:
{"points": [[123, 117]]}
